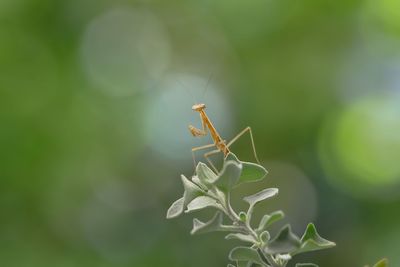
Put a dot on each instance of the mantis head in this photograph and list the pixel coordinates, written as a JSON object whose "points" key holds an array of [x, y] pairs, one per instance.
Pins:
{"points": [[198, 107]]}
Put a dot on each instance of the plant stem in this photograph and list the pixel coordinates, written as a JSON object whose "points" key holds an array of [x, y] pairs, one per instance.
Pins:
{"points": [[267, 259], [271, 260], [262, 256], [245, 227]]}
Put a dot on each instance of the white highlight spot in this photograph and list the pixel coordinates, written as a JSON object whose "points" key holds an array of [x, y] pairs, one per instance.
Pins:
{"points": [[124, 50]]}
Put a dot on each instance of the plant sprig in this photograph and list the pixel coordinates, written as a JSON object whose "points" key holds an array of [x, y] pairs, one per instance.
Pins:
{"points": [[207, 189]]}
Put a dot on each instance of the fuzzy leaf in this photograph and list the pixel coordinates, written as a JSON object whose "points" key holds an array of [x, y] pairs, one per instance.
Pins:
{"points": [[230, 265], [260, 196], [191, 190], [242, 237], [215, 224], [306, 265], [245, 254], [251, 172], [229, 175], [311, 241], [196, 180], [205, 174], [285, 242], [218, 194], [269, 219], [176, 209], [382, 263], [201, 202]]}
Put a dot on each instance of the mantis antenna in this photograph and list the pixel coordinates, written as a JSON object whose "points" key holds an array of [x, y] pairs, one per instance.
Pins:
{"points": [[188, 90], [207, 84]]}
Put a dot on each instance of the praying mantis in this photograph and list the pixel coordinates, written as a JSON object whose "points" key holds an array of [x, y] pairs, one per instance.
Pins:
{"points": [[219, 143]]}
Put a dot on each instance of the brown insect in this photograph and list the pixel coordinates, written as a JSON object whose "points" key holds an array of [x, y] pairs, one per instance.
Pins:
{"points": [[219, 143]]}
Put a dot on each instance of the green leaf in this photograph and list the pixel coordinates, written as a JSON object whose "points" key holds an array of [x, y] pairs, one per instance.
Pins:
{"points": [[229, 175], [285, 242], [260, 196], [233, 157], [265, 237], [230, 265], [312, 241], [251, 172], [242, 237], [245, 254], [269, 219], [215, 224], [191, 190], [176, 209], [205, 174], [243, 216], [306, 265], [382, 263], [202, 202]]}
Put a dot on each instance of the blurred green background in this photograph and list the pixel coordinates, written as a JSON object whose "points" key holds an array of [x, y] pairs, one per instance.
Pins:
{"points": [[96, 96]]}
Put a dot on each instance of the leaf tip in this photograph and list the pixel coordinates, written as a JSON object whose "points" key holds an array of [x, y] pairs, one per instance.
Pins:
{"points": [[176, 209]]}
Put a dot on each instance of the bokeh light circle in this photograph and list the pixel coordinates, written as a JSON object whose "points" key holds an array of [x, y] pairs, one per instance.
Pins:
{"points": [[125, 50], [297, 196], [385, 12], [360, 147], [117, 224]]}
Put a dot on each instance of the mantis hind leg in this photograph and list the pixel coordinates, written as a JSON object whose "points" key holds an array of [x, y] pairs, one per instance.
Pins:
{"points": [[194, 149], [247, 129], [208, 154]]}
